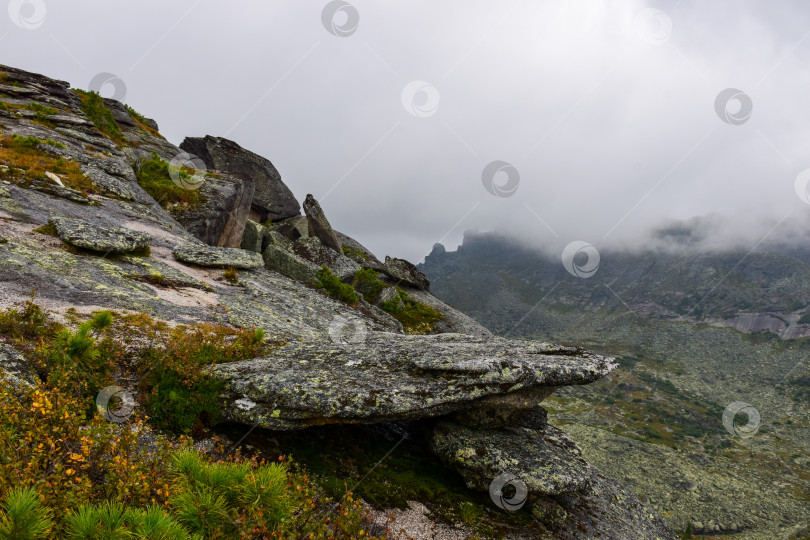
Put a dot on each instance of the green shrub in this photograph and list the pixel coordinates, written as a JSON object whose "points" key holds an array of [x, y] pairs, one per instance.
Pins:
{"points": [[25, 516], [368, 284], [214, 497], [180, 397], [331, 285], [416, 318], [98, 113], [3, 106], [76, 364]]}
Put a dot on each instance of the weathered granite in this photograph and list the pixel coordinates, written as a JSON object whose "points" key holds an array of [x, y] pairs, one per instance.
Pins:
{"points": [[390, 377], [217, 257], [103, 239]]}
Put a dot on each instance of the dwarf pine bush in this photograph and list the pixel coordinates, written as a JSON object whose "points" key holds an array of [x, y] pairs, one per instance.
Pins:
{"points": [[24, 517]]}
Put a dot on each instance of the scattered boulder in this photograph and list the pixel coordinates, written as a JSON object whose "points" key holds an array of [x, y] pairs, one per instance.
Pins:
{"points": [[388, 294], [319, 225], [217, 257], [403, 272], [255, 237], [391, 377], [292, 228], [359, 253], [272, 199], [546, 460], [103, 239], [314, 251], [219, 219], [285, 262]]}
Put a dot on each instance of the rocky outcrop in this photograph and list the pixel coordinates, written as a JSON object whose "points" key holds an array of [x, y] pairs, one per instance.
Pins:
{"points": [[387, 377], [102, 239], [272, 199], [214, 257], [219, 219], [341, 364], [403, 272], [314, 251], [319, 226]]}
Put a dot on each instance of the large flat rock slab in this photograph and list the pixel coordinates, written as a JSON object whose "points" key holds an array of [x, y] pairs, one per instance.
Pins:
{"points": [[218, 257], [385, 377], [100, 238]]}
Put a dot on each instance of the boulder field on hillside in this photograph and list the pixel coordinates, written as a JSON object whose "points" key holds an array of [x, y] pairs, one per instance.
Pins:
{"points": [[139, 225]]}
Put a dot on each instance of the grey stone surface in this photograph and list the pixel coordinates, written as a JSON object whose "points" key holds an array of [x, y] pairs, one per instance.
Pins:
{"points": [[286, 263], [319, 226], [95, 237], [217, 257], [314, 251], [219, 219], [388, 377], [402, 272], [546, 460], [16, 369], [272, 199]]}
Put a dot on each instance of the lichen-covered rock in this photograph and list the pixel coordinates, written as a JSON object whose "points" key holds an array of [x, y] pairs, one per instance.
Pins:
{"points": [[101, 238], [314, 251], [15, 368], [389, 377], [285, 262], [547, 460], [405, 273], [319, 226], [607, 509], [253, 236], [272, 199], [217, 257]]}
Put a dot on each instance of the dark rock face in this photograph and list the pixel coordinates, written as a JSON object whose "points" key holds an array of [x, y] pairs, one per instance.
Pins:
{"points": [[103, 239], [388, 377], [272, 199], [403, 272], [218, 257], [219, 220], [319, 226]]}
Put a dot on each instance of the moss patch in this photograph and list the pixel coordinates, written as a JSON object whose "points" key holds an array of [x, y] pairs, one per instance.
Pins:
{"points": [[154, 177], [28, 159], [416, 318]]}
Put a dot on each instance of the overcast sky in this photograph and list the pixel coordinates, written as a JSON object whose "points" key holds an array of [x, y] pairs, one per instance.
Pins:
{"points": [[604, 113]]}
